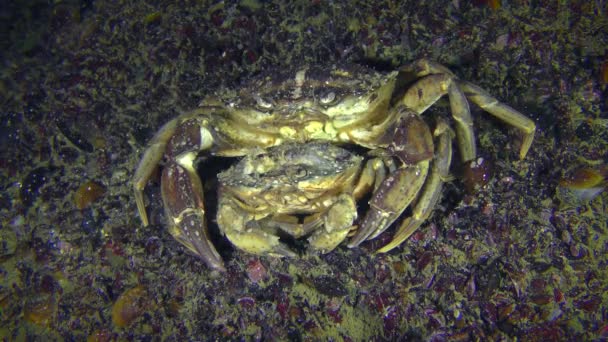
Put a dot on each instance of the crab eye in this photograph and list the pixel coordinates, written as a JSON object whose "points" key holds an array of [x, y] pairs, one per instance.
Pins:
{"points": [[262, 104], [301, 172], [327, 97], [297, 172]]}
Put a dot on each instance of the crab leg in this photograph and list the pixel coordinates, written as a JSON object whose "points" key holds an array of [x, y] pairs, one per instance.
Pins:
{"points": [[413, 145], [431, 88], [424, 67], [500, 110], [147, 165], [431, 192], [436, 80], [459, 106], [338, 222], [180, 140], [182, 192], [327, 229], [236, 225]]}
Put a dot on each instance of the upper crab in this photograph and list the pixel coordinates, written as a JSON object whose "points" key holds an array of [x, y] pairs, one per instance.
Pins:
{"points": [[380, 112]]}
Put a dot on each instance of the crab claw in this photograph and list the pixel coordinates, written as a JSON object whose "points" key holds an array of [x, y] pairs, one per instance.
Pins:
{"points": [[180, 141], [182, 194], [431, 192], [413, 145]]}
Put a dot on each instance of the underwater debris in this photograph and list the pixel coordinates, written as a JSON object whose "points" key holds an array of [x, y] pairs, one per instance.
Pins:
{"points": [[41, 309], [88, 193], [585, 183], [477, 173], [493, 4], [604, 73], [129, 306]]}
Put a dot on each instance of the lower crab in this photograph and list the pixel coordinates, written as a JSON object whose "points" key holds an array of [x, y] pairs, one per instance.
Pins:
{"points": [[312, 190], [294, 179]]}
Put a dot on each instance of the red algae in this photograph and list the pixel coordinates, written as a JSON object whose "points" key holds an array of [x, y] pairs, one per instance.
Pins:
{"points": [[558, 296], [256, 271], [541, 299], [333, 310], [589, 304], [391, 319], [477, 173], [283, 307]]}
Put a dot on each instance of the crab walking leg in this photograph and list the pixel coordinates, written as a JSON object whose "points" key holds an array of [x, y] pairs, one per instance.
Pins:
{"points": [[338, 222], [465, 136], [152, 156], [371, 176], [392, 197], [428, 90], [420, 96], [500, 110], [235, 224], [423, 67], [431, 192], [413, 145], [292, 225]]}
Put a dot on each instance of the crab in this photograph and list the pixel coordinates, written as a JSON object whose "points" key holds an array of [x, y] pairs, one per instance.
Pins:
{"points": [[312, 145]]}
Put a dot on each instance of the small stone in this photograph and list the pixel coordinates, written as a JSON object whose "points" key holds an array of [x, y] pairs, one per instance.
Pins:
{"points": [[256, 271]]}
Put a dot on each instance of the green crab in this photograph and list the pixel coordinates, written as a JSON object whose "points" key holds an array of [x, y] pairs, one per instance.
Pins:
{"points": [[299, 173]]}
